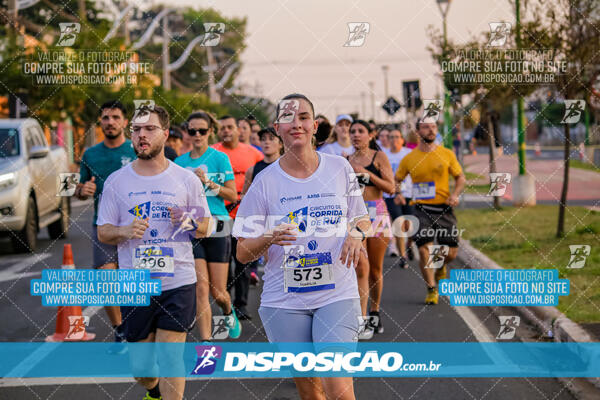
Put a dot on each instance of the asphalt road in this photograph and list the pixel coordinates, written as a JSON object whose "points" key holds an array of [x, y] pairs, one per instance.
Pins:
{"points": [[405, 317]]}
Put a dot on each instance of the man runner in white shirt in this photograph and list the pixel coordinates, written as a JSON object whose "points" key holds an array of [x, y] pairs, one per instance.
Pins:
{"points": [[141, 210]]}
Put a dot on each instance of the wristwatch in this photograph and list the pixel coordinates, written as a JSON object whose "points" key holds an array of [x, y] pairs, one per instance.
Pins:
{"points": [[361, 232]]}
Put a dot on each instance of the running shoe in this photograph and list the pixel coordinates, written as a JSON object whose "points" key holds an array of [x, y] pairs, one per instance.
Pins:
{"points": [[375, 322], [402, 263], [235, 328], [432, 296], [254, 278], [120, 344], [148, 397], [441, 273], [410, 253], [366, 330]]}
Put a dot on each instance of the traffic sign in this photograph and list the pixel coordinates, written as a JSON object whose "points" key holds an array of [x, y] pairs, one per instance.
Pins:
{"points": [[391, 105], [412, 94]]}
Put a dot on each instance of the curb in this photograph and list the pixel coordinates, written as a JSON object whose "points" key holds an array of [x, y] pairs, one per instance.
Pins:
{"points": [[546, 318]]}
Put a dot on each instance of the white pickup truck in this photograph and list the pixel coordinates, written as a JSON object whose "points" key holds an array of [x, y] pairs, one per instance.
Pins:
{"points": [[28, 184]]}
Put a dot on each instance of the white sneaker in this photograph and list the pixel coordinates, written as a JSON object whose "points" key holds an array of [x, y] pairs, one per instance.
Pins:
{"points": [[366, 329], [366, 333]]}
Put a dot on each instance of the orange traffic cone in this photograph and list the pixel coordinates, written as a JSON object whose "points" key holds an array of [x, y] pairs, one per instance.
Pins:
{"points": [[70, 324]]}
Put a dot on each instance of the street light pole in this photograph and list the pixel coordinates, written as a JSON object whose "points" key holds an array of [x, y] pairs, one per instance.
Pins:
{"points": [[447, 119], [520, 103], [385, 69], [524, 192], [363, 110], [372, 90], [165, 54]]}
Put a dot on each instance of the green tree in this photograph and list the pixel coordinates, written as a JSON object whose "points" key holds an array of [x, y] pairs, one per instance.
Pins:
{"points": [[570, 27]]}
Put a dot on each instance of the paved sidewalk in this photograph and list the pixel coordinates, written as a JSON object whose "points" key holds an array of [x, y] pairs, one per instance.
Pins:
{"points": [[548, 174]]}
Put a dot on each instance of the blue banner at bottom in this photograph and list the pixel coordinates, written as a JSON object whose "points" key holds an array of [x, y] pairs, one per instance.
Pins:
{"points": [[243, 360]]}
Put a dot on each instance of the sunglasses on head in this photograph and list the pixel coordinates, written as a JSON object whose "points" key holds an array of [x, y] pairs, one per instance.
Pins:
{"points": [[201, 131]]}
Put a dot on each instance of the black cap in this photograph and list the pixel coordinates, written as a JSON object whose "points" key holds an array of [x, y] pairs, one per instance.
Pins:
{"points": [[176, 133], [269, 131]]}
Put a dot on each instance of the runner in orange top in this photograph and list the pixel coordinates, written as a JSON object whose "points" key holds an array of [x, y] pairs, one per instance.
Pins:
{"points": [[241, 155]]}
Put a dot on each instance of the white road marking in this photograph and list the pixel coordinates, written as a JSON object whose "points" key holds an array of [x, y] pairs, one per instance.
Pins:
{"points": [[37, 356], [14, 272], [482, 335], [475, 325]]}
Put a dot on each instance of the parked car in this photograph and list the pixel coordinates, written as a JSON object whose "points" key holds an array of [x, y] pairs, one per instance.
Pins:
{"points": [[29, 171]]}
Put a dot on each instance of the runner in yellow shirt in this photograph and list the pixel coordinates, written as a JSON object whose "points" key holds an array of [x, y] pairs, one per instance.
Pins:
{"points": [[430, 167]]}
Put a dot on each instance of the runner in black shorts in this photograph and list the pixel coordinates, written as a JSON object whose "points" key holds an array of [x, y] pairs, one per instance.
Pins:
{"points": [[430, 167], [143, 204], [399, 205]]}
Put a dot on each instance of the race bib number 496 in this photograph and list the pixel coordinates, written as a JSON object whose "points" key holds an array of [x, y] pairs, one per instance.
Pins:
{"points": [[159, 260]]}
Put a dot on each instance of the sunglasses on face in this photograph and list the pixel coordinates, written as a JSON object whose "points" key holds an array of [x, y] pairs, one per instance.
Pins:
{"points": [[201, 131]]}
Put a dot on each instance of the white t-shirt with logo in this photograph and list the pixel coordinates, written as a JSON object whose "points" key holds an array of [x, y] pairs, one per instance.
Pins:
{"points": [[320, 206], [127, 195], [336, 149], [395, 158]]}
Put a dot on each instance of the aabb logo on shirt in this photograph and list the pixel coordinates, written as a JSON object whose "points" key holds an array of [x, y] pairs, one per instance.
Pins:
{"points": [[141, 211], [298, 217]]}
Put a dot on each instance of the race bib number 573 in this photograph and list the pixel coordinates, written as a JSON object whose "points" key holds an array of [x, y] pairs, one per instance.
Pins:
{"points": [[308, 272]]}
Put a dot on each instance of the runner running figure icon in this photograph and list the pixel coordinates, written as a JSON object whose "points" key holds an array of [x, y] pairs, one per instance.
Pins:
{"points": [[207, 359]]}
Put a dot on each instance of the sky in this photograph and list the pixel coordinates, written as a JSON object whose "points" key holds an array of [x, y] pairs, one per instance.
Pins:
{"points": [[297, 46]]}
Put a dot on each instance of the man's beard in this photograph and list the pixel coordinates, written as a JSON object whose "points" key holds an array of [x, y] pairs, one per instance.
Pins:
{"points": [[426, 139], [111, 136], [154, 151]]}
